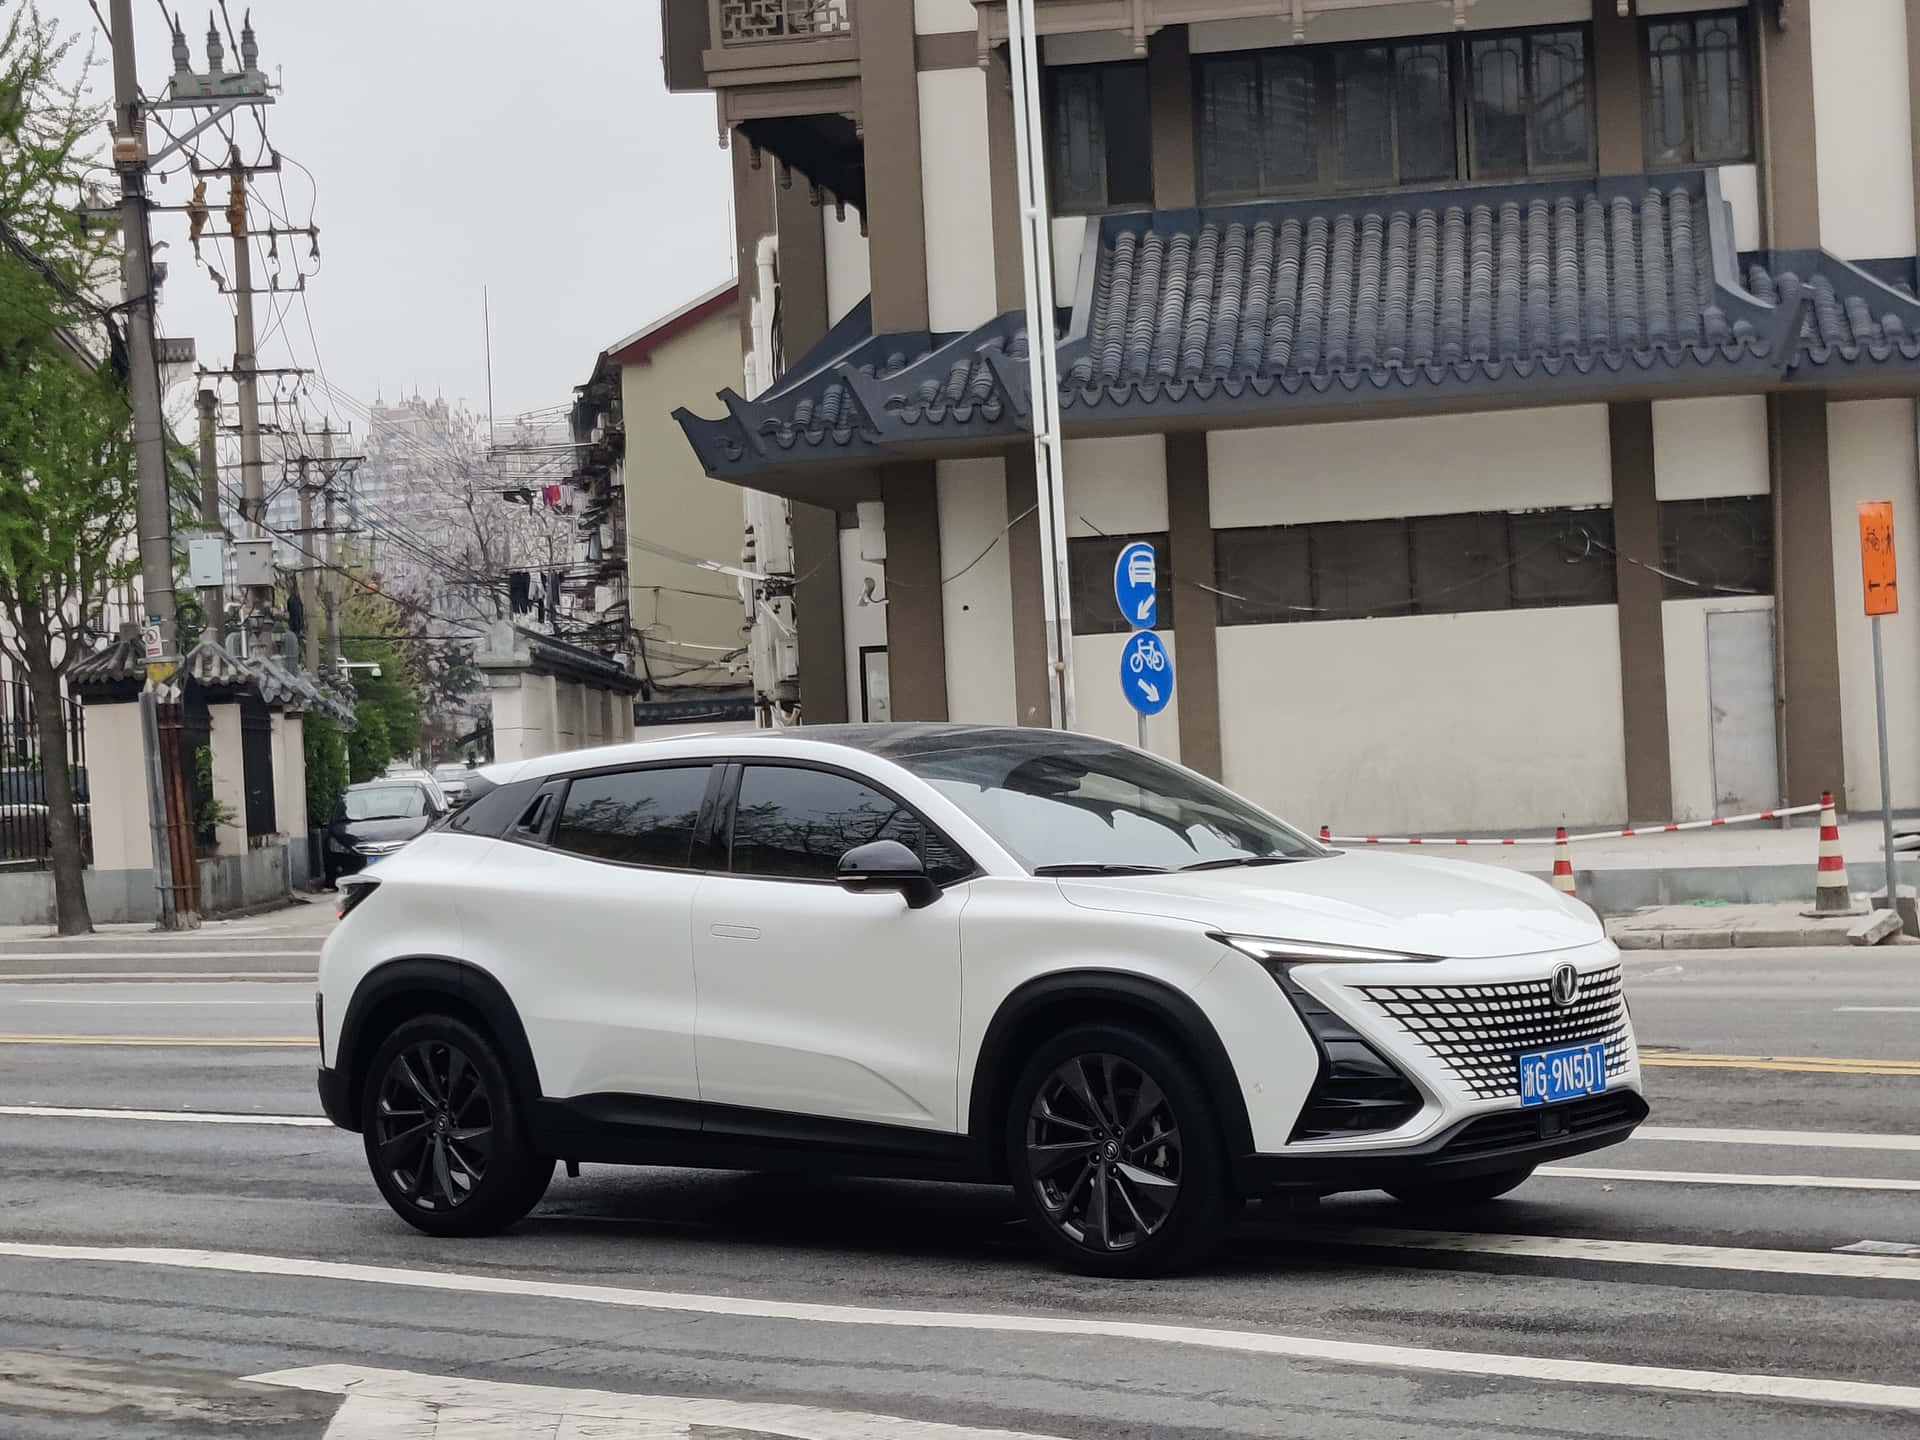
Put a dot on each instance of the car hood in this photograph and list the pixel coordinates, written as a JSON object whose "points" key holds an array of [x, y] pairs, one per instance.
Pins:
{"points": [[361, 832], [1409, 903]]}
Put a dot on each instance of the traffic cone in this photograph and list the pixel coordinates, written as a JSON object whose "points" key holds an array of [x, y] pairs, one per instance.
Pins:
{"points": [[1830, 893], [1563, 864]]}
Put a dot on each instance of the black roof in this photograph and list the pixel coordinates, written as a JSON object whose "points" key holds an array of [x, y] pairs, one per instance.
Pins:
{"points": [[1547, 292]]}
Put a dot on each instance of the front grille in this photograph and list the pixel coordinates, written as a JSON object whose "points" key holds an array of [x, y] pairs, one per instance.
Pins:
{"points": [[1480, 1031], [1510, 1129]]}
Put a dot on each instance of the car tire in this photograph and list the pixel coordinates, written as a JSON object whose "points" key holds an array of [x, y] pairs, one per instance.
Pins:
{"points": [[1453, 1194], [445, 1133], [1115, 1153]]}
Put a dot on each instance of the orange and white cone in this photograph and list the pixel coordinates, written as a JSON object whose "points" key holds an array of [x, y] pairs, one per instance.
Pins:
{"points": [[1563, 863], [1830, 893]]}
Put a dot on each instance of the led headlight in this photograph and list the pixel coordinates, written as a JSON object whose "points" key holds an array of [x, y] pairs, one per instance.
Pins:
{"points": [[1271, 953]]}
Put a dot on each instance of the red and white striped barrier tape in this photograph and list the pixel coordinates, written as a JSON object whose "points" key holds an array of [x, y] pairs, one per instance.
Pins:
{"points": [[1631, 830]]}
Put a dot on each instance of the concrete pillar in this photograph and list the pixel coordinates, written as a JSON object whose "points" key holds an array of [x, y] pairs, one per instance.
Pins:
{"points": [[567, 707], [229, 777], [290, 790], [522, 706], [117, 782]]}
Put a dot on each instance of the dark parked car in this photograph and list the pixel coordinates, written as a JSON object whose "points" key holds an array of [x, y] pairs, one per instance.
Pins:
{"points": [[375, 819]]}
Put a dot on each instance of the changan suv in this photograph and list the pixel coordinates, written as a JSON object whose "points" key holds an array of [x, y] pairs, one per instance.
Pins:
{"points": [[954, 952]]}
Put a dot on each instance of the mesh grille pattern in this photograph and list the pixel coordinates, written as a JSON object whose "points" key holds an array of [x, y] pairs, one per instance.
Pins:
{"points": [[1480, 1031]]}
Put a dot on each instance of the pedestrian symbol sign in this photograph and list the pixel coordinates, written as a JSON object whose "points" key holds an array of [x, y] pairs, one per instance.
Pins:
{"points": [[1146, 673], [1135, 587]]}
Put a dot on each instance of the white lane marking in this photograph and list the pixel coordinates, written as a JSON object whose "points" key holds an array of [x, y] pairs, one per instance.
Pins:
{"points": [[1615, 1252], [178, 952], [1252, 1342], [302, 1001], [196, 1117], [452, 1409], [126, 977], [1877, 1247], [1877, 1010], [1803, 1139], [1707, 1177]]}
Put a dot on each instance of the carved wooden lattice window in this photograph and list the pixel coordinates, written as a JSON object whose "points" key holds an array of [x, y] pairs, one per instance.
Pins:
{"points": [[748, 20]]}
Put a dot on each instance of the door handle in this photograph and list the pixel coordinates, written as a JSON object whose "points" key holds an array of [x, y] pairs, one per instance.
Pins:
{"points": [[734, 932]]}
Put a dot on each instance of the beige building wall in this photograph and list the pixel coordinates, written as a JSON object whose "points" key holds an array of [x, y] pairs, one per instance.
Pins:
{"points": [[1870, 445], [1862, 138], [671, 502]]}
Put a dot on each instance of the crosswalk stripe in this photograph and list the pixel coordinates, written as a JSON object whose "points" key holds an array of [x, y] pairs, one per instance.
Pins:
{"points": [[216, 1042], [1805, 1139], [1801, 1064], [1366, 1354], [1615, 1252], [1709, 1177], [188, 1117]]}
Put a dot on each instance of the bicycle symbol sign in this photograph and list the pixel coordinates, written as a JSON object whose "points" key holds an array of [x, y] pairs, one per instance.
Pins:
{"points": [[1146, 673]]}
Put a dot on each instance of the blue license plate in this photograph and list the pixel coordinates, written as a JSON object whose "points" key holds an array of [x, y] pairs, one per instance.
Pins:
{"points": [[1567, 1073]]}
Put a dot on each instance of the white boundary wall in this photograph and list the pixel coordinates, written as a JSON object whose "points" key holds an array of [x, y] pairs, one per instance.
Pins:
{"points": [[1475, 721], [977, 605]]}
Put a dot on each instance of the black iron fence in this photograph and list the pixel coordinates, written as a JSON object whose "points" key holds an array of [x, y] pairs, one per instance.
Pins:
{"points": [[25, 839]]}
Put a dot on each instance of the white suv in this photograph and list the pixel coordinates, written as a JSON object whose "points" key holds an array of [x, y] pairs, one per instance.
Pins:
{"points": [[954, 952]]}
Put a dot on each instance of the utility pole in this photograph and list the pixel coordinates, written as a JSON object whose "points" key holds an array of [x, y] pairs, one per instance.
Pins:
{"points": [[149, 439], [330, 577], [309, 565], [253, 505], [213, 598]]}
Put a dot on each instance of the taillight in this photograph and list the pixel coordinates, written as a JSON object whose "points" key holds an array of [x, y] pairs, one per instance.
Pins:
{"points": [[352, 894]]}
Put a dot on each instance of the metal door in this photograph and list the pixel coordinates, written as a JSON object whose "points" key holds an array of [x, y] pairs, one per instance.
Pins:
{"points": [[1746, 774]]}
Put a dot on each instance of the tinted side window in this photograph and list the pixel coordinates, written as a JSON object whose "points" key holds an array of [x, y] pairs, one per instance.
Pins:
{"points": [[637, 817], [493, 809], [796, 824]]}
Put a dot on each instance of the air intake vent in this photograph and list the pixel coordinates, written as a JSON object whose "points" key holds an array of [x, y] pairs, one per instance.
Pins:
{"points": [[1358, 1091]]}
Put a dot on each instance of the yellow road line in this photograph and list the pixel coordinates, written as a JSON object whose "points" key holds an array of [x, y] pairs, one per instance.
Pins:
{"points": [[1802, 1064], [236, 1042]]}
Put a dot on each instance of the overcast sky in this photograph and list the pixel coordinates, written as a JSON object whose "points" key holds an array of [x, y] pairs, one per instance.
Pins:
{"points": [[528, 148]]}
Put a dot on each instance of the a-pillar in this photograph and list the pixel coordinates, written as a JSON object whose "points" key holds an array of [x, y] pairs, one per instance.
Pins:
{"points": [[229, 792], [117, 786], [290, 790]]}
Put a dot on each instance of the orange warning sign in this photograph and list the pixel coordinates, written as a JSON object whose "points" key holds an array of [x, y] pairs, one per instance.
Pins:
{"points": [[1876, 557]]}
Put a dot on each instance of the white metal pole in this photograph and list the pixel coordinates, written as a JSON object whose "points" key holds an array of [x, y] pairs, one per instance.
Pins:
{"points": [[1036, 247], [1886, 769]]}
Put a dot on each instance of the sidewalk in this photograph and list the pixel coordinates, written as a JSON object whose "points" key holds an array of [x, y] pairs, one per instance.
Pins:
{"points": [[1757, 864], [294, 929], [1714, 926]]}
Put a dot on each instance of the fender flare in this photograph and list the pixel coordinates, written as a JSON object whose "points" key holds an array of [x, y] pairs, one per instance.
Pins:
{"points": [[429, 976], [1106, 991]]}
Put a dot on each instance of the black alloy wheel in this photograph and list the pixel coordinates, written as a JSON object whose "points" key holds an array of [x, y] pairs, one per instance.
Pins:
{"points": [[1115, 1151], [433, 1125], [444, 1132], [1104, 1152]]}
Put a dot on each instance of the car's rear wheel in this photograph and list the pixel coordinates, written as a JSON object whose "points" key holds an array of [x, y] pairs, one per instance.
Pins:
{"points": [[446, 1137], [1115, 1153], [1453, 1194]]}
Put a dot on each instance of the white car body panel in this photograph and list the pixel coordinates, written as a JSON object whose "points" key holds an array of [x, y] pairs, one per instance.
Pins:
{"points": [[805, 998]]}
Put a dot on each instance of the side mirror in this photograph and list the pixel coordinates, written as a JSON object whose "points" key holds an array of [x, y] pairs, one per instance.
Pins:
{"points": [[887, 865]]}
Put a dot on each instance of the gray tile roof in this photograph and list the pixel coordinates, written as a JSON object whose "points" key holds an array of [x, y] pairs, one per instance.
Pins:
{"points": [[116, 671], [1547, 292]]}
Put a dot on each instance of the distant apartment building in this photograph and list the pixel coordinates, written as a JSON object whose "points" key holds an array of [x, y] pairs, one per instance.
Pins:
{"points": [[1498, 380]]}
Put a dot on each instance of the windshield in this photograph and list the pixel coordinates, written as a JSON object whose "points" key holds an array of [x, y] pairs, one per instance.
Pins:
{"points": [[1071, 802], [385, 802]]}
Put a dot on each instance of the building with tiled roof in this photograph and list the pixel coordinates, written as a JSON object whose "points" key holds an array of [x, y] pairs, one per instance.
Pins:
{"points": [[1498, 381]]}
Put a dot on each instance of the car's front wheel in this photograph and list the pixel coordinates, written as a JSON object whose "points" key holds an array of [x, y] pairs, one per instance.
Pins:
{"points": [[1453, 1194], [445, 1134], [1113, 1147]]}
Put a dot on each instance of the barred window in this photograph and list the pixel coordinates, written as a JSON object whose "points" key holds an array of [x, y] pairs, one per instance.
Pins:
{"points": [[1090, 562], [1699, 103], [1101, 142], [1717, 547]]}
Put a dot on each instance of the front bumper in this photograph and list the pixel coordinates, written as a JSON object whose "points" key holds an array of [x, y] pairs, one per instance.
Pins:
{"points": [[1480, 1145], [335, 1100]]}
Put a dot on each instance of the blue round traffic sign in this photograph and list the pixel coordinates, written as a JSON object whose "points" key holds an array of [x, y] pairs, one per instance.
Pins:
{"points": [[1135, 586], [1146, 673]]}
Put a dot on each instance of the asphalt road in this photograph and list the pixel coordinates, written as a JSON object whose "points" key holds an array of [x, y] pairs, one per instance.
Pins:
{"points": [[151, 1263]]}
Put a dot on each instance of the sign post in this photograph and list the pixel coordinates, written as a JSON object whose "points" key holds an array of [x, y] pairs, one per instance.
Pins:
{"points": [[1882, 594], [1146, 669]]}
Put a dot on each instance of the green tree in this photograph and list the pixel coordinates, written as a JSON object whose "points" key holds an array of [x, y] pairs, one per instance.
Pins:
{"points": [[374, 633], [66, 468], [326, 752]]}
